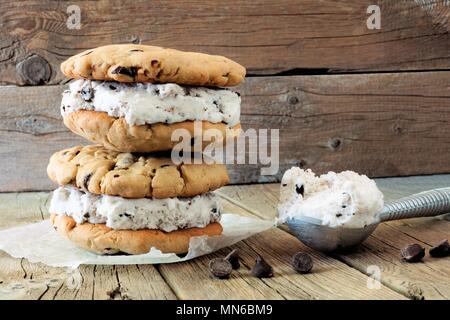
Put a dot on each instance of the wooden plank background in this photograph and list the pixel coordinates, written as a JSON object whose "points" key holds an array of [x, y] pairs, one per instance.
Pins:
{"points": [[266, 36], [386, 114]]}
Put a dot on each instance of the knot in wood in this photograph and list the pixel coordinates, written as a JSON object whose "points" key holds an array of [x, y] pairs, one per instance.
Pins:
{"points": [[34, 70]]}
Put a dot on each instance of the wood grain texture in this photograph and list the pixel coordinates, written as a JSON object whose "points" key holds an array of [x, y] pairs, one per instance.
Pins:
{"points": [[377, 124], [427, 280], [20, 279], [331, 278], [266, 36]]}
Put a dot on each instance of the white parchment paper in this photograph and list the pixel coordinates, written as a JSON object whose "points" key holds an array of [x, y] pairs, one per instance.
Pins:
{"points": [[38, 242]]}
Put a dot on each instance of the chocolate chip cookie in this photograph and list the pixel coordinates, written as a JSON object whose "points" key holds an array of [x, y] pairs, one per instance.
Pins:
{"points": [[142, 63], [101, 171]]}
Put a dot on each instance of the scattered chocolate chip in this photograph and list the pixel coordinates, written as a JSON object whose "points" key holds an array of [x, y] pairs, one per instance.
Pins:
{"points": [[284, 185], [165, 165], [86, 180], [126, 71], [112, 87], [338, 215], [441, 250], [116, 176], [77, 152], [413, 253], [220, 268], [86, 215], [136, 50], [214, 210], [87, 92], [300, 190], [63, 108], [233, 258], [262, 269], [127, 214], [302, 262]]}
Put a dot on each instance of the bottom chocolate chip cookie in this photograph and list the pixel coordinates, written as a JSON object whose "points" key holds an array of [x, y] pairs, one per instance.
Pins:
{"points": [[116, 134], [100, 239]]}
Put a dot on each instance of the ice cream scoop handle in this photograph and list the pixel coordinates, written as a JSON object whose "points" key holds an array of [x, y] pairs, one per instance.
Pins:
{"points": [[425, 204]]}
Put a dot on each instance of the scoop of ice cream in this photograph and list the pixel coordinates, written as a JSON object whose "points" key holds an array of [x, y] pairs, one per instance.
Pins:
{"points": [[147, 103], [345, 199], [119, 213]]}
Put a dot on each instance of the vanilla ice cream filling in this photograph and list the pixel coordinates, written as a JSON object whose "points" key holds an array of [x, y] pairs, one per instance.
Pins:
{"points": [[344, 199], [119, 213], [146, 103]]}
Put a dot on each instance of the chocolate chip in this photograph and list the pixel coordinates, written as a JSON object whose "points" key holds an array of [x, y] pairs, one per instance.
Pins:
{"points": [[86, 180], [165, 165], [116, 176], [284, 185], [220, 268], [127, 214], [77, 152], [112, 87], [126, 71], [302, 262], [86, 215], [233, 258], [136, 50], [441, 250], [262, 269], [338, 215], [413, 253], [300, 190], [214, 210], [87, 92]]}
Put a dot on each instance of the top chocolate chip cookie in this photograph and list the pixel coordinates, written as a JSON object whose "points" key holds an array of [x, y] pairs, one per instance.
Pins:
{"points": [[141, 63]]}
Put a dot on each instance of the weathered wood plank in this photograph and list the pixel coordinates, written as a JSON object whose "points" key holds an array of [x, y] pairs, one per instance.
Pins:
{"points": [[265, 36], [428, 280], [36, 281], [20, 279], [377, 124], [331, 278]]}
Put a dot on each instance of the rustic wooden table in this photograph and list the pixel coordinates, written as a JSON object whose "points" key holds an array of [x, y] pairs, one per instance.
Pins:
{"points": [[334, 277]]}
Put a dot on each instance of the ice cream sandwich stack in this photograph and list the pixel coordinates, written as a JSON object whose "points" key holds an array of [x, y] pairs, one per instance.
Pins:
{"points": [[122, 195]]}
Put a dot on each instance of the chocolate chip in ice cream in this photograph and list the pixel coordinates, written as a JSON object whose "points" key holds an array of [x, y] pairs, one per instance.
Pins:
{"points": [[413, 253], [220, 268], [302, 262], [233, 258], [262, 269], [441, 250], [87, 92], [300, 189]]}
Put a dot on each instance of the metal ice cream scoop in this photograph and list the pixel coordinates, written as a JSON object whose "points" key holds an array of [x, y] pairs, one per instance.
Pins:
{"points": [[312, 233]]}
